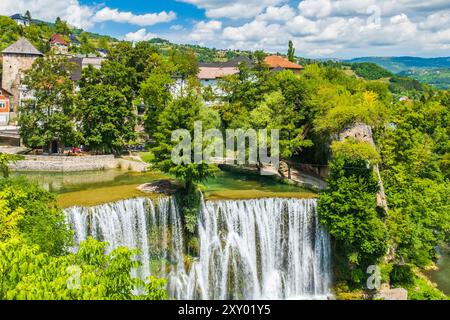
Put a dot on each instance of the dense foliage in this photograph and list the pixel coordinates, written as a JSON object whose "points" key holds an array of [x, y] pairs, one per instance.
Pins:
{"points": [[35, 264], [348, 208], [414, 151], [49, 115]]}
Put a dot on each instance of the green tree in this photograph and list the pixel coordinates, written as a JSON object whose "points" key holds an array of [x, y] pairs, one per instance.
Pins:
{"points": [[107, 120], [417, 188], [156, 95], [185, 62], [4, 164], [180, 114], [49, 116], [61, 27], [87, 275], [291, 51], [86, 45], [38, 220], [28, 16], [348, 208]]}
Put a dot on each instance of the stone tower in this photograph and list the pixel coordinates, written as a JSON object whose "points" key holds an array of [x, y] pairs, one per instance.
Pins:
{"points": [[17, 58]]}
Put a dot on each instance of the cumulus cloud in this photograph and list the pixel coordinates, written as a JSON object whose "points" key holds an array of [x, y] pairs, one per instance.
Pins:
{"points": [[140, 35], [205, 31], [176, 27], [315, 8], [79, 15], [436, 21], [233, 9], [331, 27], [277, 14], [70, 10], [149, 19]]}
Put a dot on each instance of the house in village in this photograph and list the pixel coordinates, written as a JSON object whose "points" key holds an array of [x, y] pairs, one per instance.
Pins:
{"points": [[210, 73], [20, 19], [59, 45], [17, 58], [84, 61], [5, 110], [279, 63]]}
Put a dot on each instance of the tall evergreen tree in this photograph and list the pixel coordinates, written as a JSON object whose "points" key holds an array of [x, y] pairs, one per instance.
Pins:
{"points": [[291, 51]]}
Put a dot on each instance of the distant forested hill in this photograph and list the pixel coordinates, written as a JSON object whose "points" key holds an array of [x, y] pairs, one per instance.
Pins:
{"points": [[399, 64], [432, 71]]}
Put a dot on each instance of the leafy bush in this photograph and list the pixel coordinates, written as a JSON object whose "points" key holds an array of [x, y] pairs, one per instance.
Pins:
{"points": [[348, 208]]}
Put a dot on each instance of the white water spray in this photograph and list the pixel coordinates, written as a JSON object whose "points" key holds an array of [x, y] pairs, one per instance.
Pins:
{"points": [[253, 249]]}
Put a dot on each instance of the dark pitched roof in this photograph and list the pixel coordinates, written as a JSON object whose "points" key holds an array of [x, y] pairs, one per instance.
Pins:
{"points": [[73, 39], [234, 63], [18, 16], [22, 46]]}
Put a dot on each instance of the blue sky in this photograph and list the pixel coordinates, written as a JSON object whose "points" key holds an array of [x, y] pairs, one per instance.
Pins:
{"points": [[318, 28], [186, 13]]}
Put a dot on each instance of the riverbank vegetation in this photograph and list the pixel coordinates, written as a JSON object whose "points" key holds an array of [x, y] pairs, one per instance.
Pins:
{"points": [[36, 264]]}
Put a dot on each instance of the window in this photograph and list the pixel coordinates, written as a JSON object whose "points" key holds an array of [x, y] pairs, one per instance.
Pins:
{"points": [[2, 105]]}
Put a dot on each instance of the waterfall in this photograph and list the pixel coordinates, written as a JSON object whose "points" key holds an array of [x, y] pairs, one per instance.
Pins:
{"points": [[251, 249]]}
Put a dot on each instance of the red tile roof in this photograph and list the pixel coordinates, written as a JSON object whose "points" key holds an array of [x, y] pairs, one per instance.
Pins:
{"points": [[280, 62], [58, 39]]}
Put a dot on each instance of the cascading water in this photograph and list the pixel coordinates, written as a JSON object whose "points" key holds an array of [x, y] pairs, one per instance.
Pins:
{"points": [[253, 249]]}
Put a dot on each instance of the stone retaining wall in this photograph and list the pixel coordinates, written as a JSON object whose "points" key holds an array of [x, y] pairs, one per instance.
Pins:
{"points": [[72, 164]]}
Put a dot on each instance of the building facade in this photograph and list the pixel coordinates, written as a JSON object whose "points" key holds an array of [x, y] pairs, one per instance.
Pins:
{"points": [[17, 58], [5, 97], [59, 45]]}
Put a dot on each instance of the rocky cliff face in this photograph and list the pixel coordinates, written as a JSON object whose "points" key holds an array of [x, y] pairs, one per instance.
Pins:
{"points": [[363, 132]]}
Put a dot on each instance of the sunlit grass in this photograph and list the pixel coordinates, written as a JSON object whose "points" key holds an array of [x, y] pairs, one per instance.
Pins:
{"points": [[94, 197]]}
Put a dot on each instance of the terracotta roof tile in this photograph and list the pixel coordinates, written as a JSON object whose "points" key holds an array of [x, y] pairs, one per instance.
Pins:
{"points": [[279, 62], [56, 38]]}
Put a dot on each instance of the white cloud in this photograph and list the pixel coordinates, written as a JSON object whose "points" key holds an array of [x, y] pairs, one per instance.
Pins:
{"points": [[205, 31], [48, 10], [83, 16], [277, 14], [339, 27], [262, 34], [140, 35], [176, 27], [233, 9], [149, 19], [315, 8], [436, 21], [301, 26]]}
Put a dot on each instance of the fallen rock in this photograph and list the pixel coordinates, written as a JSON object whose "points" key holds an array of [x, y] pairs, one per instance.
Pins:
{"points": [[386, 293], [160, 186]]}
